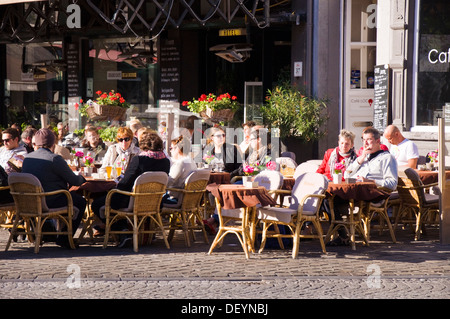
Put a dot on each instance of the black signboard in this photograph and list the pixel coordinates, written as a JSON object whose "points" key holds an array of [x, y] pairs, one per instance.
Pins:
{"points": [[381, 97], [170, 73], [73, 67]]}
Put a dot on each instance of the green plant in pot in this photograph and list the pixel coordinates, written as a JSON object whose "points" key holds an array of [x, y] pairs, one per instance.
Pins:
{"points": [[108, 134], [298, 116]]}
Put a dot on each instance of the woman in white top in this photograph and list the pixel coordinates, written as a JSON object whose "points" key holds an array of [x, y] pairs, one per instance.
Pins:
{"points": [[121, 152], [182, 164]]}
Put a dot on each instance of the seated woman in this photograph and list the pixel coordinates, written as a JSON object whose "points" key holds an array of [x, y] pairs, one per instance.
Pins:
{"points": [[152, 158], [182, 166], [343, 153], [121, 152], [93, 143], [227, 153]]}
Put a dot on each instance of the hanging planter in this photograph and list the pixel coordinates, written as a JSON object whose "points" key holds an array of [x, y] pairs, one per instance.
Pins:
{"points": [[111, 106], [214, 108]]}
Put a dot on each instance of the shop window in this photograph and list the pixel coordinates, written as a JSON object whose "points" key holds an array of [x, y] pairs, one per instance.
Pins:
{"points": [[123, 66], [433, 76], [362, 43], [35, 83]]}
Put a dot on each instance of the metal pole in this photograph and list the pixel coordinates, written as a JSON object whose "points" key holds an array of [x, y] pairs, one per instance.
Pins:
{"points": [[444, 185]]}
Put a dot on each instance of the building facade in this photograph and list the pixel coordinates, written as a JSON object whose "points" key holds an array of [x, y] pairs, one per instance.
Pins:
{"points": [[160, 53]]}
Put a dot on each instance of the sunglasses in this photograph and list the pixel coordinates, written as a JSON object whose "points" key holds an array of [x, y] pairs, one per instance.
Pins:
{"points": [[126, 139], [6, 140]]}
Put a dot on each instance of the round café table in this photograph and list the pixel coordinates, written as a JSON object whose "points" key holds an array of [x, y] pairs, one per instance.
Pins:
{"points": [[219, 178], [359, 193], [231, 197], [430, 177], [90, 189]]}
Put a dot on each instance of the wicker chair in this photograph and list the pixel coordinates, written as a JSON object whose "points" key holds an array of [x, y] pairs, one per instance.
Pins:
{"points": [[414, 200], [380, 209], [7, 211], [307, 196], [145, 201], [287, 165], [29, 199], [187, 213]]}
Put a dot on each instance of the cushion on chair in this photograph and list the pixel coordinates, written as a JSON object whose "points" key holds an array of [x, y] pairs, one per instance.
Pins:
{"points": [[281, 214], [271, 180], [305, 167], [431, 198], [147, 177], [305, 184], [197, 175], [28, 179]]}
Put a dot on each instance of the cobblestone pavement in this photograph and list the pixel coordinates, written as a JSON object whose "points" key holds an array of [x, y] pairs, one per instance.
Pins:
{"points": [[405, 270]]}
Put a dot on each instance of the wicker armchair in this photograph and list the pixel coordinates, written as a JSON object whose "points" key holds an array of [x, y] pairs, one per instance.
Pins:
{"points": [[307, 196], [415, 201], [381, 210], [145, 202], [7, 211], [187, 213], [29, 199]]}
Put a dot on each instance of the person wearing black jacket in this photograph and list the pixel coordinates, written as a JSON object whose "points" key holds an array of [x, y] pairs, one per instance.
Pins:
{"points": [[229, 154], [151, 158]]}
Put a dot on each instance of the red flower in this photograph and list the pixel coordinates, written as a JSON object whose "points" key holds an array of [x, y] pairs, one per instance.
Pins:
{"points": [[99, 92], [122, 100], [77, 105], [81, 101], [185, 103], [234, 97]]}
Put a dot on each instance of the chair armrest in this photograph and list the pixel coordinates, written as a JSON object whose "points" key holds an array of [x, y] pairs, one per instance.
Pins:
{"points": [[184, 191], [280, 192]]}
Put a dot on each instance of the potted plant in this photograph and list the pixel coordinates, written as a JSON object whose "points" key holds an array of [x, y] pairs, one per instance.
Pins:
{"points": [[298, 117], [108, 134], [108, 106], [215, 108]]}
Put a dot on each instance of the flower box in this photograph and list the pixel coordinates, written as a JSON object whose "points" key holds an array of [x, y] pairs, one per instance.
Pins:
{"points": [[98, 112], [220, 115]]}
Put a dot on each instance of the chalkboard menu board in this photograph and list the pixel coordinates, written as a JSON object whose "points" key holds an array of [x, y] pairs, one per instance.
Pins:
{"points": [[170, 73], [73, 67], [381, 97]]}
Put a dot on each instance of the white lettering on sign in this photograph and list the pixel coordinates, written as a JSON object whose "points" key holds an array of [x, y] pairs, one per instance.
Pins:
{"points": [[434, 56]]}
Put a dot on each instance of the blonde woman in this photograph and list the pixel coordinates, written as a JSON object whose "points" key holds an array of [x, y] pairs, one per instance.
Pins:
{"points": [[121, 152]]}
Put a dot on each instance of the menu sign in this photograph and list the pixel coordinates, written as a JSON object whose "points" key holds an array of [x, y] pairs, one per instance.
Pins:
{"points": [[170, 73], [381, 97], [73, 67]]}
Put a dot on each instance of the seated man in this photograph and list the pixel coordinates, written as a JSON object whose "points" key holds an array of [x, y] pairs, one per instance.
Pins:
{"points": [[404, 150], [93, 143], [54, 174], [11, 154], [373, 165]]}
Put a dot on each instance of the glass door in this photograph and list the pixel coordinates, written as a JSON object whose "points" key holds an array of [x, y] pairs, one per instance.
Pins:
{"points": [[359, 60]]}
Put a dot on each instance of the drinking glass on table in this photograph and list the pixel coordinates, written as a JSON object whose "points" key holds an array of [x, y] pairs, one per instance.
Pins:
{"points": [[118, 170], [108, 171]]}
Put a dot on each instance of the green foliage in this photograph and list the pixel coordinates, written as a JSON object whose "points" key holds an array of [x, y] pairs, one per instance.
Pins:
{"points": [[294, 113], [108, 134]]}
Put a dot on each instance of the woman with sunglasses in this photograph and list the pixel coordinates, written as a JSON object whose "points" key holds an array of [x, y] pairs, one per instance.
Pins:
{"points": [[121, 152], [229, 154], [151, 158]]}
